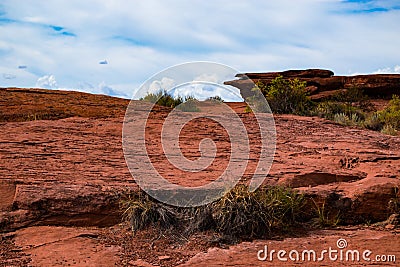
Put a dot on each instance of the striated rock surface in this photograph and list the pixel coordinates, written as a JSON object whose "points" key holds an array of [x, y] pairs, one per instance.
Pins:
{"points": [[245, 254], [71, 171], [323, 83]]}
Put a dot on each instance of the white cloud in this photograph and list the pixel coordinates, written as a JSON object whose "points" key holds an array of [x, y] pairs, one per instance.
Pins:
{"points": [[202, 91], [387, 70], [140, 38], [212, 78], [166, 84], [395, 70], [47, 81]]}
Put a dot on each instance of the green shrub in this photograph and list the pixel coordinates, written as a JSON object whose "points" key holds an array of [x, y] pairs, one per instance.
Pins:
{"points": [[215, 99], [248, 109], [346, 120], [391, 114], [286, 96], [346, 113], [162, 98], [189, 105], [373, 122], [257, 101], [329, 109], [389, 129]]}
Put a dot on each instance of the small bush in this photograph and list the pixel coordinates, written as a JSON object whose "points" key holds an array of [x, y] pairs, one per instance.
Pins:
{"points": [[189, 105], [215, 99], [162, 98], [354, 97], [341, 118], [248, 109], [286, 96], [345, 120], [255, 214], [329, 109], [389, 129], [346, 113], [349, 96], [238, 214], [257, 102], [373, 122], [142, 211], [391, 114]]}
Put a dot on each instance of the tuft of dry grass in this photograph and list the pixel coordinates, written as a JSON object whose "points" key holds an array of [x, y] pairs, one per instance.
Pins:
{"points": [[238, 214]]}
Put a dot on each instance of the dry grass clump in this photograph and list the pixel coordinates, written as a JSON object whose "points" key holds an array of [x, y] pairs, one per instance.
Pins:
{"points": [[343, 119], [256, 214], [238, 214]]}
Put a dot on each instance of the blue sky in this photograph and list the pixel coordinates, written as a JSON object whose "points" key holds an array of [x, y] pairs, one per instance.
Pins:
{"points": [[112, 47]]}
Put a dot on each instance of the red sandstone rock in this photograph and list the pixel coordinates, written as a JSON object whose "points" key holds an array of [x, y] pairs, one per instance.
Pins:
{"points": [[70, 172], [375, 85]]}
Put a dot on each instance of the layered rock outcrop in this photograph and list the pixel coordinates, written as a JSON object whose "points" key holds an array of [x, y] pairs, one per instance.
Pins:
{"points": [[323, 83]]}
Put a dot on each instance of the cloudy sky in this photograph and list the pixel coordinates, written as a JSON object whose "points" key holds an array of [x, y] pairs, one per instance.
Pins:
{"points": [[112, 47]]}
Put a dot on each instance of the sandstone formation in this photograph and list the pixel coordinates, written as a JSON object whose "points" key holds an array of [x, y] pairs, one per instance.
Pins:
{"points": [[245, 254], [323, 83], [70, 172]]}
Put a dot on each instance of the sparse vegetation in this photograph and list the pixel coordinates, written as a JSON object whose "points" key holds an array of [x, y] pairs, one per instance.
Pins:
{"points": [[352, 108], [286, 96], [343, 119], [389, 130], [354, 97], [189, 105], [373, 122], [347, 107], [328, 110], [215, 99], [325, 218], [163, 98], [255, 214], [238, 214], [142, 211], [390, 116]]}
